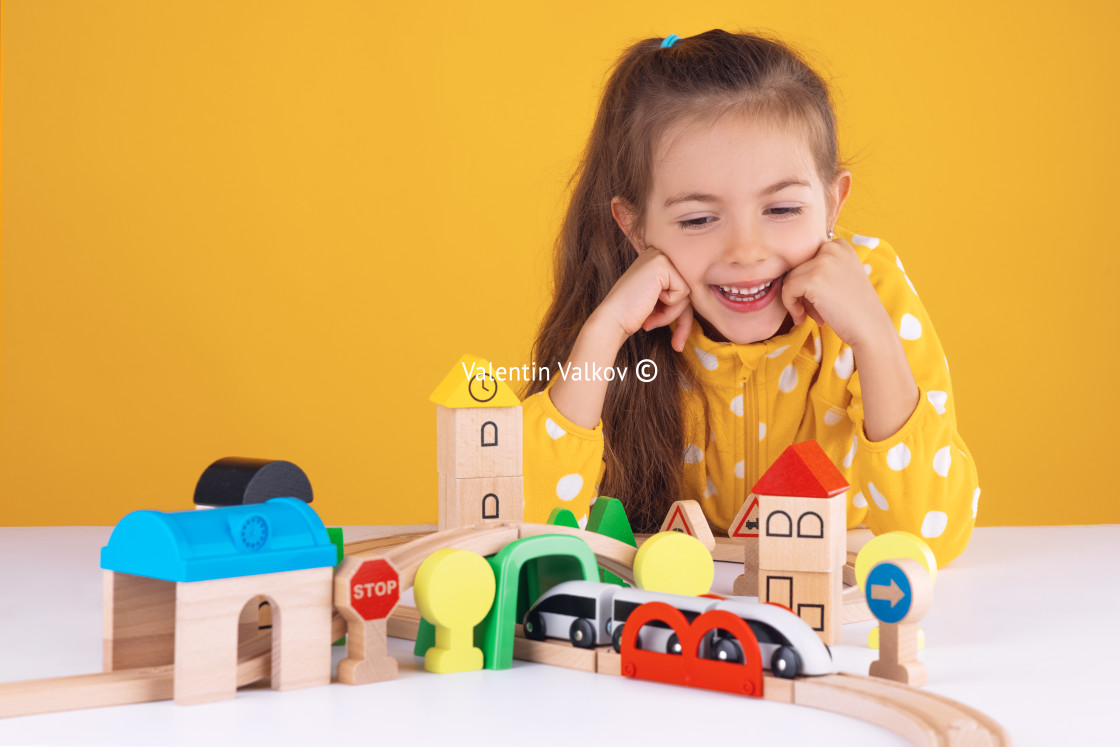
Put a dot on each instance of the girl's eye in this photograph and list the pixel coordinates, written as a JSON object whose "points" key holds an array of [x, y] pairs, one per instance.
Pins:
{"points": [[695, 222]]}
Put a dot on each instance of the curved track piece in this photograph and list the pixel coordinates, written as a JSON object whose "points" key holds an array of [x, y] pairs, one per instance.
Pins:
{"points": [[921, 717]]}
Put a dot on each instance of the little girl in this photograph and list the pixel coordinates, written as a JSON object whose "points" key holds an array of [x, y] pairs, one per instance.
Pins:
{"points": [[702, 236]]}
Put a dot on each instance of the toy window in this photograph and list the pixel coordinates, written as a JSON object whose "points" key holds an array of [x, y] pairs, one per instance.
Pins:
{"points": [[489, 433], [489, 506], [779, 524], [810, 524]]}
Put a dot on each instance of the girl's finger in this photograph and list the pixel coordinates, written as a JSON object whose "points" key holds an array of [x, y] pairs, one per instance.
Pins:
{"points": [[684, 326], [666, 314], [791, 295]]}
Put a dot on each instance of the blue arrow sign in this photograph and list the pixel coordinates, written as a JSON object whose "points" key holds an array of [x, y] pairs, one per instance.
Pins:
{"points": [[888, 592]]}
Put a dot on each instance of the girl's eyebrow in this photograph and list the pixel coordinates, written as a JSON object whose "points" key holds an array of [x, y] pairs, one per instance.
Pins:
{"points": [[705, 197]]}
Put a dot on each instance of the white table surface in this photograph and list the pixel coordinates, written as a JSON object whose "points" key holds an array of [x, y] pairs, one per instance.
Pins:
{"points": [[1023, 627]]}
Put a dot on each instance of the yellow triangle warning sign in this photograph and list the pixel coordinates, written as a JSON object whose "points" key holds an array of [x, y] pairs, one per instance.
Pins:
{"points": [[688, 517], [471, 383], [745, 523]]}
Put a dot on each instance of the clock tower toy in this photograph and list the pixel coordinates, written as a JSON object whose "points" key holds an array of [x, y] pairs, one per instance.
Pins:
{"points": [[478, 447]]}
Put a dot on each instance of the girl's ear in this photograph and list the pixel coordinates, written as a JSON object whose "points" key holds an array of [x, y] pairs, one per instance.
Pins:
{"points": [[624, 217], [841, 188]]}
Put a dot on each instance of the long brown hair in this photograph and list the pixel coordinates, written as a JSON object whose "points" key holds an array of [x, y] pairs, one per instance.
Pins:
{"points": [[649, 90]]}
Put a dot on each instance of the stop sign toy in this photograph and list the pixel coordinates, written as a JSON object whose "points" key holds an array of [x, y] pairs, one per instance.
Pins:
{"points": [[365, 593], [375, 589]]}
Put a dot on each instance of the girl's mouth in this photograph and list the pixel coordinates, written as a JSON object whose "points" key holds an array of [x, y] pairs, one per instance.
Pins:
{"points": [[747, 298]]}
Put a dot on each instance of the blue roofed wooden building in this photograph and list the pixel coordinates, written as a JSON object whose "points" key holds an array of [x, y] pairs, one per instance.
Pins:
{"points": [[177, 584]]}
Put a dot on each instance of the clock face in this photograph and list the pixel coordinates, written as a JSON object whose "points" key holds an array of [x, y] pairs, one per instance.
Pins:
{"points": [[482, 388]]}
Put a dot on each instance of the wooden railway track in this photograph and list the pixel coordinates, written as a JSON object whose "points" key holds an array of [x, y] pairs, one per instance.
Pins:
{"points": [[922, 717]]}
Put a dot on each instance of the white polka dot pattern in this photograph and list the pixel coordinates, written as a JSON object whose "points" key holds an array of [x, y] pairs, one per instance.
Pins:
{"points": [[934, 524], [859, 501], [568, 486], [942, 460], [739, 469], [778, 351], [737, 405], [869, 241], [711, 489], [898, 457], [761, 431], [845, 364], [879, 499], [707, 360], [788, 382], [938, 400], [554, 431], [910, 328], [851, 453], [833, 416], [693, 455]]}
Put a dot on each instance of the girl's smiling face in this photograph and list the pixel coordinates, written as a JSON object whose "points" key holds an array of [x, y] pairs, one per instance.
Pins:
{"points": [[735, 205]]}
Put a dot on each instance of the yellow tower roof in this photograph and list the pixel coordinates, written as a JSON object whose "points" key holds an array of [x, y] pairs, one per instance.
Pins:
{"points": [[470, 383]]}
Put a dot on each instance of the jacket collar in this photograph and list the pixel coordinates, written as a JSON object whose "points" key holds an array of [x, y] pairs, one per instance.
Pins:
{"points": [[711, 359]]}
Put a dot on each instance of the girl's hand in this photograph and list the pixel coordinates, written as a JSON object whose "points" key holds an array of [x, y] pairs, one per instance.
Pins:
{"points": [[833, 288], [650, 294]]}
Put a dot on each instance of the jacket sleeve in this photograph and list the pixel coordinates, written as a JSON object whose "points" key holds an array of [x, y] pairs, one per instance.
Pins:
{"points": [[922, 479], [562, 462]]}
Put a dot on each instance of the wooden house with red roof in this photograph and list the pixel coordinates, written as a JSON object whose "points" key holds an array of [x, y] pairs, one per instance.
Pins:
{"points": [[802, 542]]}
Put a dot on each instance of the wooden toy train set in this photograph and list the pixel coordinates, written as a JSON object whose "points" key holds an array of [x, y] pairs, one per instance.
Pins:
{"points": [[200, 603]]}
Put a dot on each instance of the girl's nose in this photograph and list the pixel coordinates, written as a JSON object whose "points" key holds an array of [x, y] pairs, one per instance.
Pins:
{"points": [[745, 248]]}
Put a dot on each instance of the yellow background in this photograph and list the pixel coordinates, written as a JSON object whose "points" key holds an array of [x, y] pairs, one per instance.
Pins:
{"points": [[269, 229]]}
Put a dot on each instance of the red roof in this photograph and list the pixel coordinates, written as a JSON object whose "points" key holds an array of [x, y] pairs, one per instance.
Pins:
{"points": [[804, 471]]}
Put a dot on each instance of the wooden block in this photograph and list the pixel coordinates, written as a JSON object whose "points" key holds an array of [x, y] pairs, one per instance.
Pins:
{"points": [[814, 597], [236, 481], [746, 585], [802, 534], [608, 662], [688, 517], [478, 441], [464, 502], [802, 469], [139, 621], [728, 550], [206, 630]]}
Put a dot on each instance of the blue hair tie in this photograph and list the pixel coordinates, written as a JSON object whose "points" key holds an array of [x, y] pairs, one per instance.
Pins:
{"points": [[669, 40]]}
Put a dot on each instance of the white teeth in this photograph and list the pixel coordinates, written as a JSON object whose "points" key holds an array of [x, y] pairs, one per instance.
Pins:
{"points": [[745, 292]]}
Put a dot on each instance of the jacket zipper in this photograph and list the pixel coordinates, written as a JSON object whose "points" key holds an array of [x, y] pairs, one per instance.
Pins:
{"points": [[750, 441]]}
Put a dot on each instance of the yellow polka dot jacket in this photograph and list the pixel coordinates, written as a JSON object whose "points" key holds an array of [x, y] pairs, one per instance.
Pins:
{"points": [[764, 396]]}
